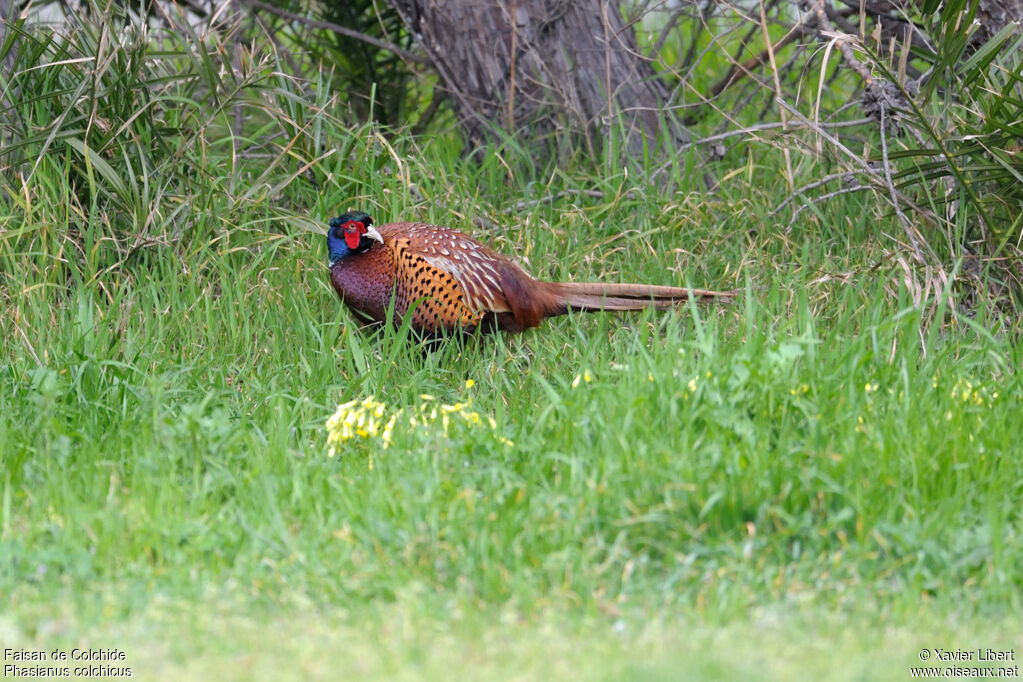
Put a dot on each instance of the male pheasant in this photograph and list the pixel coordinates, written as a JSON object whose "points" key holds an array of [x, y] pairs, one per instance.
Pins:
{"points": [[450, 281]]}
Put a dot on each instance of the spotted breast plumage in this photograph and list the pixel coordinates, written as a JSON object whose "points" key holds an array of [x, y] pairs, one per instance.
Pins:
{"points": [[450, 281]]}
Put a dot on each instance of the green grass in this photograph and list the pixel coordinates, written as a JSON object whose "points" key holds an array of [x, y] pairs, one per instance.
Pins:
{"points": [[819, 479]]}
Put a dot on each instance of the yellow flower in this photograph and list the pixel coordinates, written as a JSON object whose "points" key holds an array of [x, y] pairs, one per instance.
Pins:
{"points": [[354, 420], [388, 433], [369, 420], [469, 383], [585, 376]]}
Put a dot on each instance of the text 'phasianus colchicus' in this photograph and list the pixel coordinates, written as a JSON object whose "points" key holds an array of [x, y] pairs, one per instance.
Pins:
{"points": [[450, 281]]}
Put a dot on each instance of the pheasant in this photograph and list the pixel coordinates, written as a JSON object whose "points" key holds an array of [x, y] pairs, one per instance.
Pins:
{"points": [[450, 281]]}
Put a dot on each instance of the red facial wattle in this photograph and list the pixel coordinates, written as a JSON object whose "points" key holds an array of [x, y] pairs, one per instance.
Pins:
{"points": [[353, 233]]}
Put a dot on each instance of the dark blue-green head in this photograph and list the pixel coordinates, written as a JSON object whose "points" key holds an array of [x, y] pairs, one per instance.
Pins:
{"points": [[351, 233]]}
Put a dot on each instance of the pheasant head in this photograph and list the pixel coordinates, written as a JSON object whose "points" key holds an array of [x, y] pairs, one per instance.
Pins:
{"points": [[351, 233]]}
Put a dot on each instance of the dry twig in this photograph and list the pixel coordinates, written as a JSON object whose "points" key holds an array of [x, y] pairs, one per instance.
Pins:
{"points": [[341, 30]]}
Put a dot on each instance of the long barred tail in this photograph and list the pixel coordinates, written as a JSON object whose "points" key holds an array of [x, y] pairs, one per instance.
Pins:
{"points": [[597, 296]]}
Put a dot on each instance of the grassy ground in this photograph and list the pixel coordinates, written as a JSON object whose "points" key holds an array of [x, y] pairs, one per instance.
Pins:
{"points": [[821, 478], [401, 642]]}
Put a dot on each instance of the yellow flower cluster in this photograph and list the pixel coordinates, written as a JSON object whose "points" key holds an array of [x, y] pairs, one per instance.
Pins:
{"points": [[363, 420], [975, 395], [803, 388], [430, 411], [368, 420]]}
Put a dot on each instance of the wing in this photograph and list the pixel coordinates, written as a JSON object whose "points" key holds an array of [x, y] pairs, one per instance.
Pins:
{"points": [[474, 267]]}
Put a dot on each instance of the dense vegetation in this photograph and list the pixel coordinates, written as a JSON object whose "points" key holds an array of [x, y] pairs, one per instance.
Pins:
{"points": [[821, 478]]}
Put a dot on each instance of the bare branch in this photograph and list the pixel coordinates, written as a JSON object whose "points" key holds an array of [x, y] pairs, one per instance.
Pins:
{"points": [[820, 199], [744, 68], [841, 41], [341, 30], [752, 130], [906, 225]]}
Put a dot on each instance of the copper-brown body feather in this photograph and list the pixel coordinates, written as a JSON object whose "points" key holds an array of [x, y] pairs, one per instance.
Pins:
{"points": [[451, 281]]}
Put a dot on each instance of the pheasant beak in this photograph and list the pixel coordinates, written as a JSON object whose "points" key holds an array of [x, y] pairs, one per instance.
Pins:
{"points": [[372, 233]]}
